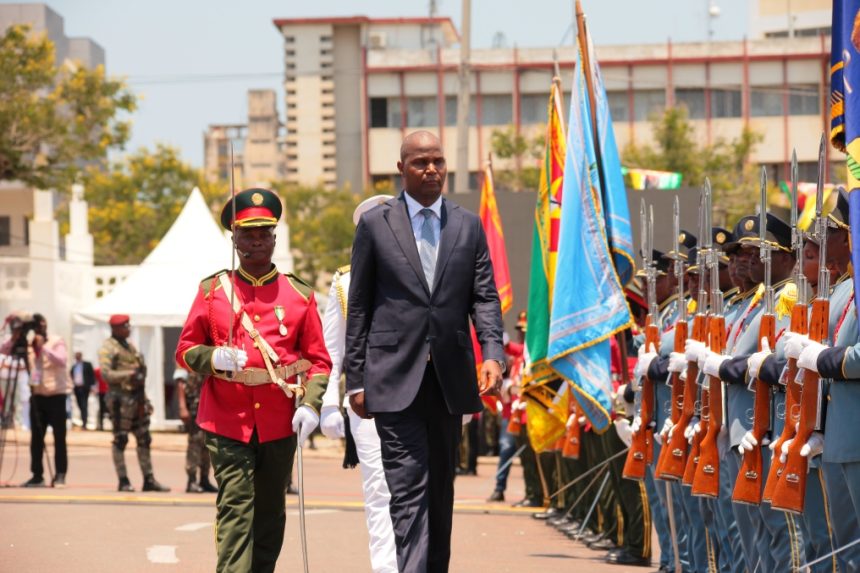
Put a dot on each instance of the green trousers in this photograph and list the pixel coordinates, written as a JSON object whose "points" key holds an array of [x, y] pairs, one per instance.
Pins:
{"points": [[252, 477]]}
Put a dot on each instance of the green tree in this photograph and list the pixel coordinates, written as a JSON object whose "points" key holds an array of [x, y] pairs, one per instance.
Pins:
{"points": [[524, 152], [321, 229], [54, 118], [133, 202], [734, 179]]}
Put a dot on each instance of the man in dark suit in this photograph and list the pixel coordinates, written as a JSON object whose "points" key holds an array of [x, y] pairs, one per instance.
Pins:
{"points": [[84, 379], [420, 268]]}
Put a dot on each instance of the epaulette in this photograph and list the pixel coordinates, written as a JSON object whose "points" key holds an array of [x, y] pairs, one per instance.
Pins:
{"points": [[301, 286], [206, 284], [786, 300], [344, 269]]}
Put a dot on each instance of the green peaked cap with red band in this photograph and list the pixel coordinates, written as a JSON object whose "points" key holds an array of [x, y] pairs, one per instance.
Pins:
{"points": [[255, 207]]}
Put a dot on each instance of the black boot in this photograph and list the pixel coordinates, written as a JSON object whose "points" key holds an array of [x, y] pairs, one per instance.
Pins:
{"points": [[192, 487], [207, 486], [149, 484], [124, 485]]}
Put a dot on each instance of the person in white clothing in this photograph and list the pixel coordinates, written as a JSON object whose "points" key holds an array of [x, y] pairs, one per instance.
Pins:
{"points": [[383, 558]]}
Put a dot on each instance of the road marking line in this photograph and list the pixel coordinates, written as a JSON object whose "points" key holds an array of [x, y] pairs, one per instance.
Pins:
{"points": [[195, 526], [162, 554]]}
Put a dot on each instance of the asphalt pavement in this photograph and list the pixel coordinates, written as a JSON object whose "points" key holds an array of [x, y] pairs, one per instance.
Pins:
{"points": [[90, 527]]}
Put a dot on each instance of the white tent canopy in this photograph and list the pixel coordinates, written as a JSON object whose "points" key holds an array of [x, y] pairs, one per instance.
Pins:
{"points": [[158, 295]]}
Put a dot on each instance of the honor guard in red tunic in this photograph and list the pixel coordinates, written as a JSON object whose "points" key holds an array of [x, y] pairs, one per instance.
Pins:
{"points": [[248, 407]]}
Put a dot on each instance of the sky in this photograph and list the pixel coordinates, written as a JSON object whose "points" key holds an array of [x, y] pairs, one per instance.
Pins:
{"points": [[192, 61]]}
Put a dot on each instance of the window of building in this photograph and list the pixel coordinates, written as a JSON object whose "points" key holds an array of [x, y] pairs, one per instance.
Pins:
{"points": [[291, 92], [619, 106], [693, 99], [647, 102], [451, 110], [533, 108], [765, 102], [325, 38], [291, 66], [725, 103], [6, 230], [497, 110], [325, 52], [289, 39], [422, 112], [804, 100], [325, 65], [385, 112], [291, 53]]}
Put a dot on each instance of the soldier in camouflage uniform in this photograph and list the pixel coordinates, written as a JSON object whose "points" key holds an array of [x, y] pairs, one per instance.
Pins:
{"points": [[196, 455], [124, 370]]}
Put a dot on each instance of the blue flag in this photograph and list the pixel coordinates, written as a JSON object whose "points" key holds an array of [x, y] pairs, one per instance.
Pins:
{"points": [[845, 111], [615, 210], [588, 299]]}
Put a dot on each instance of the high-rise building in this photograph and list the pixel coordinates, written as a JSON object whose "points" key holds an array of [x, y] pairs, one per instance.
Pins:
{"points": [[789, 18], [355, 86], [258, 156]]}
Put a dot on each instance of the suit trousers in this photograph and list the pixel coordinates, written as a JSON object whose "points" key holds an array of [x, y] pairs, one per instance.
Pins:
{"points": [[383, 556], [419, 447], [48, 411], [82, 394], [251, 511]]}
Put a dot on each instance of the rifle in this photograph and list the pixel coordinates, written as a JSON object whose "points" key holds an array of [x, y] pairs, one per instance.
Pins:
{"points": [[573, 434], [679, 342], [706, 481], [749, 481], [675, 464], [641, 450], [790, 491], [799, 324]]}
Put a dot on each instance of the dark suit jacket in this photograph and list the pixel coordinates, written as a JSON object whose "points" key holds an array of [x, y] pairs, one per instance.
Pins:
{"points": [[394, 323], [89, 375]]}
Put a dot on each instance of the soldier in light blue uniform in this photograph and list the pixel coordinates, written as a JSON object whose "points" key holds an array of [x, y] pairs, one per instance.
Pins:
{"points": [[840, 467], [778, 540]]}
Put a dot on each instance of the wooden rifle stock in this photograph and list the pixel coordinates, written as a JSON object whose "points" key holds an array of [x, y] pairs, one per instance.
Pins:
{"points": [[675, 464], [790, 491], [663, 470], [799, 315], [573, 434], [707, 479], [748, 487], [641, 451]]}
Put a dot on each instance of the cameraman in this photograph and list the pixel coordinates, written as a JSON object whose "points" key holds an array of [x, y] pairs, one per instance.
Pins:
{"points": [[124, 370], [50, 386]]}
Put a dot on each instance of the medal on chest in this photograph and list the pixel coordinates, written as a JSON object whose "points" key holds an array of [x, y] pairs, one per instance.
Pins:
{"points": [[279, 314]]}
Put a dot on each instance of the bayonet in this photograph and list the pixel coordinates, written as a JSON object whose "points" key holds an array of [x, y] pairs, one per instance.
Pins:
{"points": [[679, 262], [797, 235], [765, 247]]}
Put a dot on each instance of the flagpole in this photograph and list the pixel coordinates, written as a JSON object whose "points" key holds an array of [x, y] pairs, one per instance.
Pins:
{"points": [[582, 35]]}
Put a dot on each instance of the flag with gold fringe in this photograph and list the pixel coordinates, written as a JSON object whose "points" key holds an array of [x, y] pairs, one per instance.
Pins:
{"points": [[492, 223]]}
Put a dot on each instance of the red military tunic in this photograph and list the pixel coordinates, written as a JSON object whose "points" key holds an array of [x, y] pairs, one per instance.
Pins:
{"points": [[233, 409]]}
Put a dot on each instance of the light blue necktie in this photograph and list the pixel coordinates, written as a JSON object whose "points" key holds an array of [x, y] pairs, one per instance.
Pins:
{"points": [[427, 247]]}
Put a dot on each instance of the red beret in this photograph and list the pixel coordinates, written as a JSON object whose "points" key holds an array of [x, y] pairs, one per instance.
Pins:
{"points": [[117, 319]]}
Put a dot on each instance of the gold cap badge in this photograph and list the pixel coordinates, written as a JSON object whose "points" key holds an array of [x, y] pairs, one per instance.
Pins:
{"points": [[749, 224], [257, 199], [721, 238]]}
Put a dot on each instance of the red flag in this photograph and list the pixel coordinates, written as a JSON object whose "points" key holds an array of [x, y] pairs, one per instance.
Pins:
{"points": [[492, 223]]}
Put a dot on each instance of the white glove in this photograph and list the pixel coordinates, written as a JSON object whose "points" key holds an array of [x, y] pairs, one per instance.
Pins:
{"points": [[713, 363], [794, 344], [637, 423], [813, 446], [623, 428], [331, 422], [305, 420], [661, 436], [582, 420], [226, 359], [693, 349], [756, 360], [571, 420], [692, 429], [677, 362], [643, 363], [808, 359], [748, 442]]}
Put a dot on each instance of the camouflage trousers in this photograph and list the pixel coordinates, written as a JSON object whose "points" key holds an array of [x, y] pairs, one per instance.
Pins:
{"points": [[196, 456], [129, 414]]}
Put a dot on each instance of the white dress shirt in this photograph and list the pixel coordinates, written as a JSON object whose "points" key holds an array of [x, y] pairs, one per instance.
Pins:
{"points": [[417, 219]]}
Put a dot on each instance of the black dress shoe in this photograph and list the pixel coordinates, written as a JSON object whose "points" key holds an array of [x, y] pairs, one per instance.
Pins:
{"points": [[59, 480], [602, 545], [497, 496], [557, 520], [34, 482], [150, 484], [124, 485], [207, 486], [624, 557], [591, 537], [193, 487], [527, 503], [291, 490], [572, 525], [550, 512]]}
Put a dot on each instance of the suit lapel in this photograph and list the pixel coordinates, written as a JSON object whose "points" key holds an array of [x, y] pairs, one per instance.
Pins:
{"points": [[452, 222], [398, 219]]}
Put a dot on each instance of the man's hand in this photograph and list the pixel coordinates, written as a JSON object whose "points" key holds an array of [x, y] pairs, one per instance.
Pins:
{"points": [[38, 342], [226, 359], [356, 402], [184, 415], [305, 420], [490, 381], [331, 422]]}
